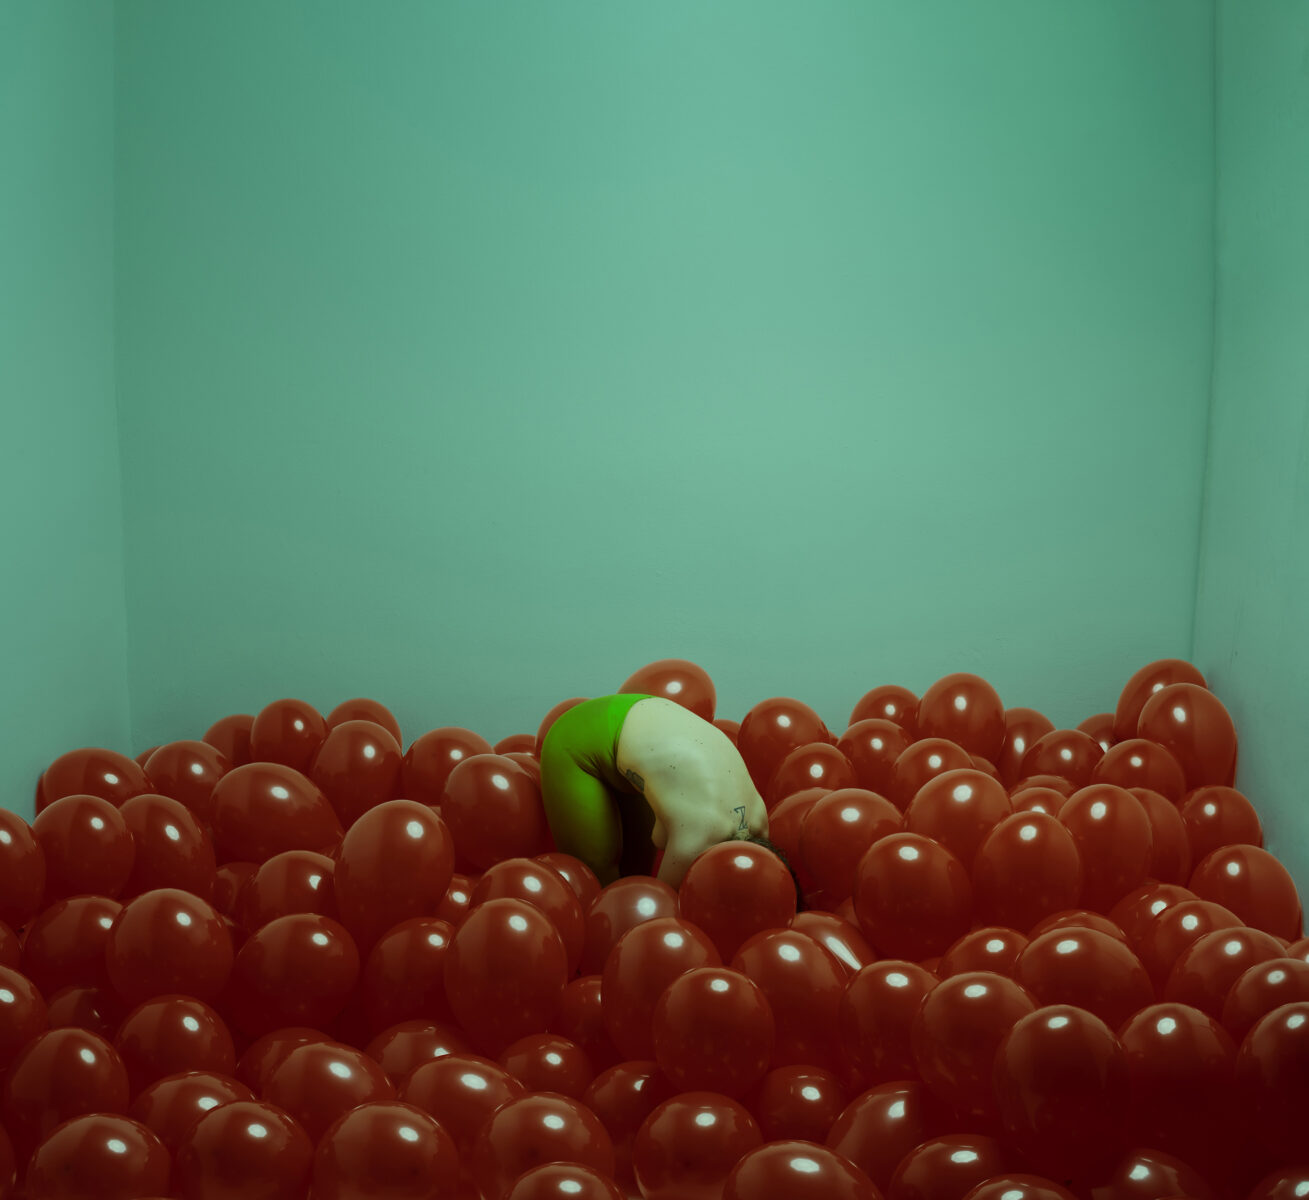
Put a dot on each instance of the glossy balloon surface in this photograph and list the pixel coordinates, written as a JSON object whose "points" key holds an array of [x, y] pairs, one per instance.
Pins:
{"points": [[687, 1147], [244, 1149], [678, 680], [912, 896]]}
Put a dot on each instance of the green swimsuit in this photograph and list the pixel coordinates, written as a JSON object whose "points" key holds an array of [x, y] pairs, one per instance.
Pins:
{"points": [[594, 813]]}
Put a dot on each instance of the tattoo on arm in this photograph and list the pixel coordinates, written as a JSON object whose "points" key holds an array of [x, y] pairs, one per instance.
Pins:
{"points": [[636, 781], [741, 810]]}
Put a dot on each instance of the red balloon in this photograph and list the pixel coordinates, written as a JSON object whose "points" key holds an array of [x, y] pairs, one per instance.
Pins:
{"points": [[621, 906], [687, 1147], [1039, 799], [1152, 1175], [172, 848], [171, 1107], [1054, 783], [817, 764], [514, 743], [428, 762], [263, 808], [966, 710], [319, 1082], [1290, 1183], [531, 1130], [1078, 919], [460, 1091], [171, 1034], [457, 900], [534, 883], [799, 1170], [1014, 1186], [785, 826], [65, 945], [645, 961], [297, 970], [1251, 883], [992, 948], [405, 1047], [575, 873], [266, 1053], [1206, 970], [11, 952], [187, 771], [505, 973], [835, 832], [798, 1102], [838, 937], [912, 896], [1134, 912], [880, 1127], [295, 881], [1061, 1081], [564, 1181], [771, 730], [1217, 817], [1141, 763], [168, 941], [958, 809], [546, 1062], [383, 1150], [1272, 1078], [60, 1074], [1023, 728], [946, 1168], [622, 1097], [93, 1008], [494, 811], [1114, 840], [581, 1019], [1067, 753], [288, 732], [713, 1029], [876, 1014], [1181, 1066], [395, 863], [1262, 988], [1191, 723], [22, 871], [87, 847], [871, 747], [99, 1155], [731, 728], [23, 1014], [404, 975], [362, 709], [357, 768], [1087, 968], [922, 761], [244, 1149], [735, 890], [1146, 683], [889, 702], [91, 771], [1026, 868], [803, 985], [229, 881], [956, 1031], [1177, 927], [677, 680], [1170, 849], [1101, 728], [230, 736]]}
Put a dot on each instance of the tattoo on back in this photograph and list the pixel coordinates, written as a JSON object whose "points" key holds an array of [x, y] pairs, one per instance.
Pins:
{"points": [[636, 781], [740, 810]]}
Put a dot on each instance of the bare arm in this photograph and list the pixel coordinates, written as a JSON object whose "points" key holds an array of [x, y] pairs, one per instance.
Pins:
{"points": [[679, 854]]}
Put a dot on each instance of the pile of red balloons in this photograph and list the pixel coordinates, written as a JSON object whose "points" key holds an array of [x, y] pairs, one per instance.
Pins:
{"points": [[292, 959]]}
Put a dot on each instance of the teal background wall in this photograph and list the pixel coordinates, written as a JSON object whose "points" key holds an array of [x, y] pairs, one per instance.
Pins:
{"points": [[472, 356], [1253, 593], [63, 619]]}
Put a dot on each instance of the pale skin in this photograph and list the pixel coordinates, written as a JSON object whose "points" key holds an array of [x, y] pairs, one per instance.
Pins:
{"points": [[694, 780]]}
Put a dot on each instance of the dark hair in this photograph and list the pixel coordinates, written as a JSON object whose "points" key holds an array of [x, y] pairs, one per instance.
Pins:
{"points": [[767, 845]]}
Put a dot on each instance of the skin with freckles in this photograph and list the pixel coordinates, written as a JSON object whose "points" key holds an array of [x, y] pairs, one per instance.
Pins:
{"points": [[623, 777]]}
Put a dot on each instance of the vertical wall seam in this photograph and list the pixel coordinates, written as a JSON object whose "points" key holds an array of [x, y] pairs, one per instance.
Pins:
{"points": [[1206, 472]]}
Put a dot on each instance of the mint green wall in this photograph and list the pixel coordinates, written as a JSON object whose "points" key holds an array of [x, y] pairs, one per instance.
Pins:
{"points": [[1253, 595], [472, 355], [63, 622]]}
